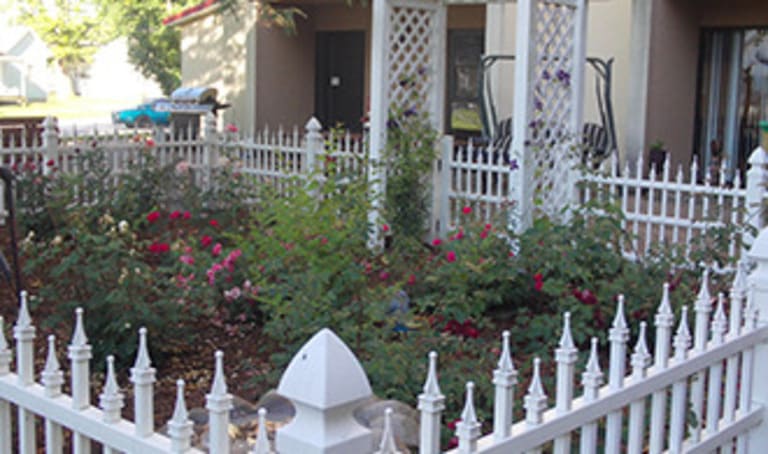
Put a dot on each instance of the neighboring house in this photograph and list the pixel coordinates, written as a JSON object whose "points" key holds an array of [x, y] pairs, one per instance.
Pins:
{"points": [[687, 73], [25, 72], [112, 76]]}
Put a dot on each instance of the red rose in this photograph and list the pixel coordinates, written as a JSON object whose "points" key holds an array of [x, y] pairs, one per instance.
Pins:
{"points": [[153, 216], [159, 248], [206, 241]]}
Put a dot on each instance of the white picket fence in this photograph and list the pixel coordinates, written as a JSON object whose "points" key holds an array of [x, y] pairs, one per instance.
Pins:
{"points": [[711, 382], [667, 209], [658, 209]]}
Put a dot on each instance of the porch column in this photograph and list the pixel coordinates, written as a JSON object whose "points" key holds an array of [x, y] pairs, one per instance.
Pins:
{"points": [[639, 57]]}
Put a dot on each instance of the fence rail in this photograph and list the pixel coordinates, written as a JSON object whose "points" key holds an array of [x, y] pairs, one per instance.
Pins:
{"points": [[666, 210], [659, 210]]}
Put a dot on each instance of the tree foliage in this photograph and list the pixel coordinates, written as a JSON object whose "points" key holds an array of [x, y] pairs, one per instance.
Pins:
{"points": [[72, 30], [153, 48], [75, 29]]}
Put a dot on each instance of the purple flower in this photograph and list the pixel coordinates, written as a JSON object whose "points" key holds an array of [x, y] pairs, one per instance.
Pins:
{"points": [[564, 77], [422, 70], [513, 164], [410, 112], [393, 124], [407, 82], [545, 75], [537, 104]]}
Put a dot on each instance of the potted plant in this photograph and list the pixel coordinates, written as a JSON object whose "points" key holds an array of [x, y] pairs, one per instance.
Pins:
{"points": [[657, 156]]}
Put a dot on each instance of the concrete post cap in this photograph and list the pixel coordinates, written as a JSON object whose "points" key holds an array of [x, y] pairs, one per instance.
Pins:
{"points": [[324, 374]]}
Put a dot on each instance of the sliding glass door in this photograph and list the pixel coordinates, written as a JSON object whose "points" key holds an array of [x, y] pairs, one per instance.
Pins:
{"points": [[732, 98]]}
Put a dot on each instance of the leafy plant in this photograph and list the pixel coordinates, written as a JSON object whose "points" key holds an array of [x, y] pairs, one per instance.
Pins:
{"points": [[410, 154]]}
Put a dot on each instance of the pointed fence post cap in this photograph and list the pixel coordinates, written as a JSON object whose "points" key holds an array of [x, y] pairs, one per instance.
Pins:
{"points": [[758, 157], [50, 122], [313, 125], [324, 374], [79, 339], [24, 320], [759, 249]]}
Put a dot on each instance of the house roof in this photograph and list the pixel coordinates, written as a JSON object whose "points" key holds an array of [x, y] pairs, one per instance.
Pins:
{"points": [[11, 36], [193, 12]]}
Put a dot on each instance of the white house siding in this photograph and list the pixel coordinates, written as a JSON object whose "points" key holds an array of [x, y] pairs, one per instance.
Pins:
{"points": [[112, 76]]}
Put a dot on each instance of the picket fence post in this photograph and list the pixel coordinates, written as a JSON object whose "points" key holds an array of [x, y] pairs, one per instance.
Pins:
{"points": [[431, 406], [757, 177], [50, 143], [314, 144], [757, 297], [143, 379], [211, 148], [441, 191], [24, 333], [325, 382], [218, 403], [5, 407]]}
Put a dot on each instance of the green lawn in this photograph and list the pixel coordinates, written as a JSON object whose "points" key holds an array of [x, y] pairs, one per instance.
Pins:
{"points": [[66, 108]]}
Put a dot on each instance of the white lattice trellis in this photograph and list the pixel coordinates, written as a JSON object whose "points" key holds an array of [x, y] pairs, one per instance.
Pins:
{"points": [[408, 71], [410, 57], [548, 117]]}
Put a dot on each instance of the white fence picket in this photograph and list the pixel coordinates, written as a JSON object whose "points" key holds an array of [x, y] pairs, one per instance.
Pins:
{"points": [[640, 361], [591, 380]]}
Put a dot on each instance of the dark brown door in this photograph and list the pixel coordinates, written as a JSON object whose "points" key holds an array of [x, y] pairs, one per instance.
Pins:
{"points": [[340, 60]]}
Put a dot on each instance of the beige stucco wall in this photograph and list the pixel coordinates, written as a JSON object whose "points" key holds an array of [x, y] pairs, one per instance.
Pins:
{"points": [[285, 68], [215, 52], [285, 75], [671, 102], [608, 28]]}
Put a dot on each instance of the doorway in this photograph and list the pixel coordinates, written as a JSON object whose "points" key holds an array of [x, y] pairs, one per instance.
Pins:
{"points": [[339, 85], [732, 98]]}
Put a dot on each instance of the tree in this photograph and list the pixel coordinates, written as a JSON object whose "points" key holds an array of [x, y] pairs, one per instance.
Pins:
{"points": [[72, 30], [152, 47], [75, 29]]}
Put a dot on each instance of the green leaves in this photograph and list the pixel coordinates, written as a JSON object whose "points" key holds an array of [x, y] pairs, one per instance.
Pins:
{"points": [[72, 30]]}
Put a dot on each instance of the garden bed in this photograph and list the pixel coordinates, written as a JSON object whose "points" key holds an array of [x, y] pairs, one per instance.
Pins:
{"points": [[203, 269]]}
